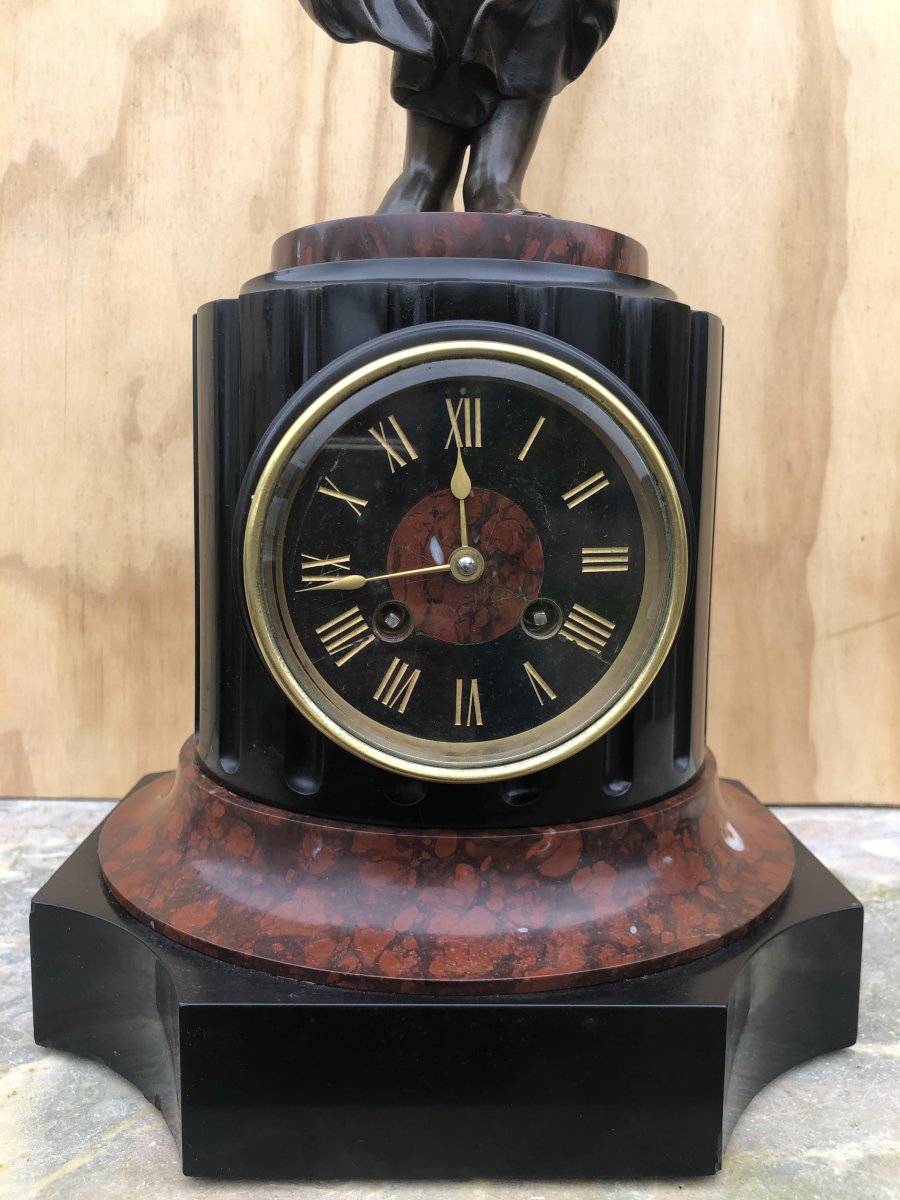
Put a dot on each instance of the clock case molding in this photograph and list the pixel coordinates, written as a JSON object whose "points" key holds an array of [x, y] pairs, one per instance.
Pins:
{"points": [[711, 951]]}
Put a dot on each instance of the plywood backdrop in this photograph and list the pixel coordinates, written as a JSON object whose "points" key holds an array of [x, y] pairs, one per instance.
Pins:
{"points": [[153, 151]]}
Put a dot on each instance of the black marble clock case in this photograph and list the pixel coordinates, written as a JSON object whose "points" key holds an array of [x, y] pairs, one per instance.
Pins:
{"points": [[254, 353]]}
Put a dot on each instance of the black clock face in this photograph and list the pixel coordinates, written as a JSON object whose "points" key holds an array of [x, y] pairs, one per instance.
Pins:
{"points": [[465, 566]]}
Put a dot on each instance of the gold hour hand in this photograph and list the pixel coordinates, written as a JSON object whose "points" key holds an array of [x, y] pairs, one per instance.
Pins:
{"points": [[461, 487], [351, 583]]}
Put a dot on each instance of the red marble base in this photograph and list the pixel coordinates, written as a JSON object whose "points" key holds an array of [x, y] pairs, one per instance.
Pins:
{"points": [[443, 912], [528, 238]]}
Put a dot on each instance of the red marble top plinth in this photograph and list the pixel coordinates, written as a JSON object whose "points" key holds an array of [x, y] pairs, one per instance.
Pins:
{"points": [[528, 238]]}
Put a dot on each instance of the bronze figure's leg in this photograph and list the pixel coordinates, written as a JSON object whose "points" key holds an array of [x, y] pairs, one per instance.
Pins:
{"points": [[501, 151], [431, 167]]}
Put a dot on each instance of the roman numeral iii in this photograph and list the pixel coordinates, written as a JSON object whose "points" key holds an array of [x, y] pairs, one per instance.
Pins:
{"points": [[345, 635], [465, 422], [603, 558], [586, 629], [397, 685], [394, 455], [472, 708], [583, 491]]}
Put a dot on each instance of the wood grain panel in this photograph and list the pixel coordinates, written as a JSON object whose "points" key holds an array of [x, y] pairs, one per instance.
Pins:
{"points": [[151, 152]]}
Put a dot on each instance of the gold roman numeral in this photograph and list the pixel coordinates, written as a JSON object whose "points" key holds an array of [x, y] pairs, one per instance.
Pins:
{"points": [[355, 502], [322, 570], [539, 685], [473, 709], [394, 456], [583, 491], [586, 629], [469, 434], [345, 635], [397, 686], [537, 429], [603, 558]]}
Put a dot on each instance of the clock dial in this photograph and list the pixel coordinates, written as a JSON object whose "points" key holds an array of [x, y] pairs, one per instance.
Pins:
{"points": [[466, 562]]}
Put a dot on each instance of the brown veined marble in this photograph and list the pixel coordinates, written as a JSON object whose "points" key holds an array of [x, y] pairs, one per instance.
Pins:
{"points": [[445, 911], [467, 613]]}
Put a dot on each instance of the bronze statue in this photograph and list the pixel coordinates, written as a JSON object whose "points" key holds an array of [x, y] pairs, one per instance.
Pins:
{"points": [[476, 74]]}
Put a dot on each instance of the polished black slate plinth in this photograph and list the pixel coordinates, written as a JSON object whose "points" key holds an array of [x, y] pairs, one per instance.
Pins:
{"points": [[264, 1077]]}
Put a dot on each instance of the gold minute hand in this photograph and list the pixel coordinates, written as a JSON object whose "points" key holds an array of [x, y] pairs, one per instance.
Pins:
{"points": [[350, 583], [461, 487]]}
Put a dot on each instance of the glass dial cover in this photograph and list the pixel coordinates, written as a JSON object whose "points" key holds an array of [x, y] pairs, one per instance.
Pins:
{"points": [[465, 560]]}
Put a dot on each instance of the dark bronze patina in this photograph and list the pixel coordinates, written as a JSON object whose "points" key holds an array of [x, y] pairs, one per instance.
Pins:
{"points": [[472, 74]]}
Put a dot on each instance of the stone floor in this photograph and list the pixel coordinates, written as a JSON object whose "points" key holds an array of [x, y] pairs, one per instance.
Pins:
{"points": [[830, 1130]]}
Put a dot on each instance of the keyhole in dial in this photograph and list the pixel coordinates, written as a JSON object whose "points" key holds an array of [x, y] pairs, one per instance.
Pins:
{"points": [[392, 622], [541, 618]]}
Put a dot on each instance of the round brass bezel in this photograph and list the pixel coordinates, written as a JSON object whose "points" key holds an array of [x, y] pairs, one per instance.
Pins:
{"points": [[309, 699]]}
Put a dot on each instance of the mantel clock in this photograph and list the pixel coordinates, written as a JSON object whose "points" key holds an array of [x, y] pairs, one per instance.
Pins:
{"points": [[446, 883]]}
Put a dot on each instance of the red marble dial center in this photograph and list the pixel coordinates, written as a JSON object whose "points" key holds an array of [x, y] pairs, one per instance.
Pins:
{"points": [[461, 612]]}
